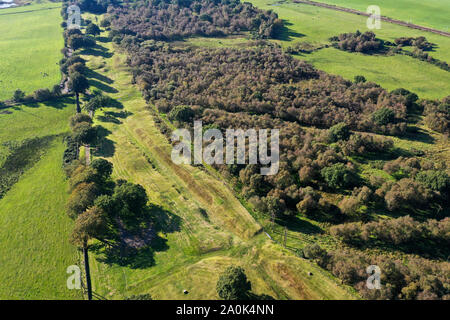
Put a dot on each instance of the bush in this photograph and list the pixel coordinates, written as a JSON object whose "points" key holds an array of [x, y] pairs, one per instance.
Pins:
{"points": [[18, 96], [360, 79], [233, 284], [92, 29], [42, 95], [339, 176], [338, 132], [437, 180], [383, 116], [181, 113]]}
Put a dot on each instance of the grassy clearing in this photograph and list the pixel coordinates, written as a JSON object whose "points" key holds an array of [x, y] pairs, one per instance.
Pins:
{"points": [[430, 13], [35, 251], [30, 43], [208, 228], [317, 25]]}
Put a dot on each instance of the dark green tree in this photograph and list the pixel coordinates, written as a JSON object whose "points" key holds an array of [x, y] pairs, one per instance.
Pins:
{"points": [[79, 84], [383, 116], [338, 132], [92, 29], [339, 176], [233, 284], [18, 96]]}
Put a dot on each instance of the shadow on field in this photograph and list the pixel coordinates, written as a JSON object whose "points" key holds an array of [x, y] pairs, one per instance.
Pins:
{"points": [[95, 75], [139, 254], [97, 51], [299, 225], [113, 117], [101, 86], [287, 34], [105, 147]]}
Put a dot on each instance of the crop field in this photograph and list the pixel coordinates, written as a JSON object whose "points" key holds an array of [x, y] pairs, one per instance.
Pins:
{"points": [[205, 228], [430, 13], [317, 25], [30, 44]]}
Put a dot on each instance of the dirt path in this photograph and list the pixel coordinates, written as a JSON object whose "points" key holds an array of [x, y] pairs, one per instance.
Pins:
{"points": [[361, 13]]}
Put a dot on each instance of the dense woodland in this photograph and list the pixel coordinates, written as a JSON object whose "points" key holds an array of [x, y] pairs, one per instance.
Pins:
{"points": [[328, 126], [175, 20]]}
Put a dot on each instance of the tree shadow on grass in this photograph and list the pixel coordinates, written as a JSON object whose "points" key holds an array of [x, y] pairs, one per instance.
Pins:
{"points": [[160, 221], [97, 51], [60, 103], [101, 86], [287, 34], [299, 225], [102, 39], [113, 117], [417, 134], [109, 119], [105, 146], [95, 75]]}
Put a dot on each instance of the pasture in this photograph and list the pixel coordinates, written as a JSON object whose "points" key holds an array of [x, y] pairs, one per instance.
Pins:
{"points": [[30, 44], [430, 13], [35, 251], [317, 25]]}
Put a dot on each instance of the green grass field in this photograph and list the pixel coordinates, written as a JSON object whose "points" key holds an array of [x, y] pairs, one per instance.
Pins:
{"points": [[34, 251], [30, 44], [317, 25], [430, 13]]}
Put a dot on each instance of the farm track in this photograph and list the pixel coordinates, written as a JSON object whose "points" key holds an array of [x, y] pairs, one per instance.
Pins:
{"points": [[383, 18]]}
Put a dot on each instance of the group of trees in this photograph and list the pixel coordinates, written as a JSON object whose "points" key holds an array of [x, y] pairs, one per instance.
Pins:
{"points": [[168, 20], [418, 42], [437, 114], [401, 231], [359, 42], [262, 80], [368, 43], [93, 6], [38, 95], [262, 87], [410, 279]]}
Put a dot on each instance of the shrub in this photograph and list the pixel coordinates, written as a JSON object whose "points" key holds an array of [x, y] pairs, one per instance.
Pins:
{"points": [[338, 132], [339, 176], [383, 116], [181, 113], [233, 284]]}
